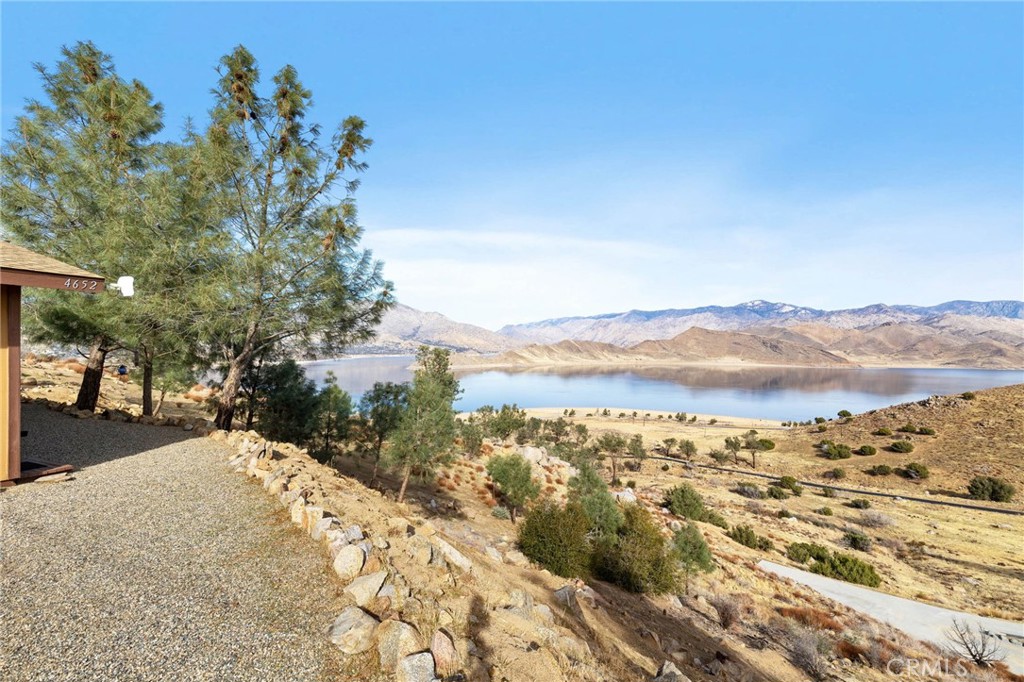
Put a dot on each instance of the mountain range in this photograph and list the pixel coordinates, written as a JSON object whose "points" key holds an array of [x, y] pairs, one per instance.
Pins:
{"points": [[956, 333]]}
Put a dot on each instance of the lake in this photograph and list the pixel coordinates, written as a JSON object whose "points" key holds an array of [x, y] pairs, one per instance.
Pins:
{"points": [[767, 393]]}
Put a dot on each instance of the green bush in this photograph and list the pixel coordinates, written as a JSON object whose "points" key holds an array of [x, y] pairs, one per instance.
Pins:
{"points": [[777, 493], [590, 491], [720, 456], [838, 473], [882, 432], [686, 502], [819, 420], [845, 414], [749, 490], [513, 478], [857, 540], [833, 451], [907, 428], [692, 551], [712, 421], [785, 514], [556, 538], [825, 511], [849, 568], [805, 551], [822, 428], [664, 467], [828, 492], [880, 470], [638, 558], [867, 450], [746, 536], [990, 488], [500, 512], [859, 503], [765, 444], [788, 482], [914, 471], [902, 446], [715, 519], [926, 431], [969, 395]]}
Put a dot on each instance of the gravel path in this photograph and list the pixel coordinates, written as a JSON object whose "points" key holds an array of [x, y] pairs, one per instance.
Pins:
{"points": [[155, 563]]}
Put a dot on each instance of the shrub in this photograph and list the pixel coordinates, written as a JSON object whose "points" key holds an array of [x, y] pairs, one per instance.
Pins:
{"points": [[859, 503], [907, 428], [902, 446], [838, 473], [926, 431], [746, 536], [819, 420], [805, 551], [589, 490], [990, 488], [712, 421], [664, 467], [882, 432], [684, 501], [825, 511], [807, 649], [857, 540], [812, 618], [833, 451], [692, 551], [513, 476], [873, 519], [786, 514], [880, 470], [789, 483], [714, 518], [728, 609], [765, 444], [845, 414], [637, 558], [969, 395], [867, 450], [914, 471], [777, 493], [822, 428], [849, 568], [828, 492], [720, 456], [501, 513], [749, 490], [631, 484], [556, 538]]}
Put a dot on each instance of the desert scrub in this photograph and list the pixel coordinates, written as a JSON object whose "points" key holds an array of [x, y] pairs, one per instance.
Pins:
{"points": [[880, 470], [882, 432], [926, 431], [828, 492], [790, 484], [990, 488], [803, 552], [836, 451], [859, 503], [824, 511], [848, 568], [907, 428], [914, 471], [969, 395], [873, 519], [857, 540], [749, 490], [902, 446], [837, 473], [866, 450], [777, 493], [637, 558], [728, 609], [501, 513], [746, 536], [556, 538], [686, 502]]}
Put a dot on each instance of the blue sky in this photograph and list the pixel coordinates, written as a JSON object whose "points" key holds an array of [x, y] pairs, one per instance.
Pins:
{"points": [[539, 160]]}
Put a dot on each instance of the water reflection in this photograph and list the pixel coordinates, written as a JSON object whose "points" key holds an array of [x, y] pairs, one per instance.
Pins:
{"points": [[765, 392]]}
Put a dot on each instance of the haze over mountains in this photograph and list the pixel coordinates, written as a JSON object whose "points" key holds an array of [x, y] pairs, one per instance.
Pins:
{"points": [[957, 334]]}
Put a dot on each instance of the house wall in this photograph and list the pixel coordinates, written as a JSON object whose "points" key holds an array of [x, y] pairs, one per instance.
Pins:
{"points": [[10, 382]]}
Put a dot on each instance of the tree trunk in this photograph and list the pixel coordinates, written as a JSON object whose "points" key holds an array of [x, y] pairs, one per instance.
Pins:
{"points": [[614, 470], [160, 401], [89, 393], [753, 458], [147, 387], [405, 482], [233, 382], [512, 513]]}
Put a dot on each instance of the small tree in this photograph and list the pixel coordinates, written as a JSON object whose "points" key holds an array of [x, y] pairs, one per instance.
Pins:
{"points": [[286, 403], [507, 421], [556, 538], [514, 478], [330, 418], [692, 552], [382, 407], [425, 437], [637, 450], [613, 444], [975, 645], [638, 559], [669, 444], [587, 488], [687, 448], [733, 445]]}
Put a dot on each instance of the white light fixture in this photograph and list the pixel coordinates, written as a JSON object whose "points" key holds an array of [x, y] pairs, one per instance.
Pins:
{"points": [[126, 285]]}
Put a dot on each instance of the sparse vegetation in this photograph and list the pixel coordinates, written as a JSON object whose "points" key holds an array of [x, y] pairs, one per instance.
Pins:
{"points": [[969, 395], [790, 484], [880, 470], [914, 471], [926, 431], [686, 502], [803, 552], [849, 568], [866, 450], [903, 446], [882, 432], [824, 511], [513, 478], [749, 490], [859, 503], [692, 551], [777, 493], [728, 609], [857, 540]]}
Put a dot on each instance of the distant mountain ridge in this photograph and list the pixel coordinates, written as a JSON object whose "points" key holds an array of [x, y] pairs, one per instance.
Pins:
{"points": [[404, 329], [634, 326]]}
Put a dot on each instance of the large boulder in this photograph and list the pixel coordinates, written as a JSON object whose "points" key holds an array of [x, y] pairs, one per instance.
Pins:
{"points": [[349, 562], [446, 658], [416, 668], [365, 588], [395, 641], [353, 631], [668, 672]]}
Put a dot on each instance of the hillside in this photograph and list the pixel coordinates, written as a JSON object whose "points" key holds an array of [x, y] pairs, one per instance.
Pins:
{"points": [[692, 347], [628, 328], [404, 329]]}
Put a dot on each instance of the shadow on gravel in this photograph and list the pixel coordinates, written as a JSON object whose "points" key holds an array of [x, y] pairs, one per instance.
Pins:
{"points": [[58, 438]]}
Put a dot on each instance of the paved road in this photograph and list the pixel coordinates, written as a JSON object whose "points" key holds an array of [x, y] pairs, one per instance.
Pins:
{"points": [[917, 619], [155, 563]]}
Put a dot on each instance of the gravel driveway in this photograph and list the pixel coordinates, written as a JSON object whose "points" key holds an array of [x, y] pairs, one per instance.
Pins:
{"points": [[155, 563]]}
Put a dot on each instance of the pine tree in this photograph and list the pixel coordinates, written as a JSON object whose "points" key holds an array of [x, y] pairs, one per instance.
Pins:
{"points": [[296, 271]]}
